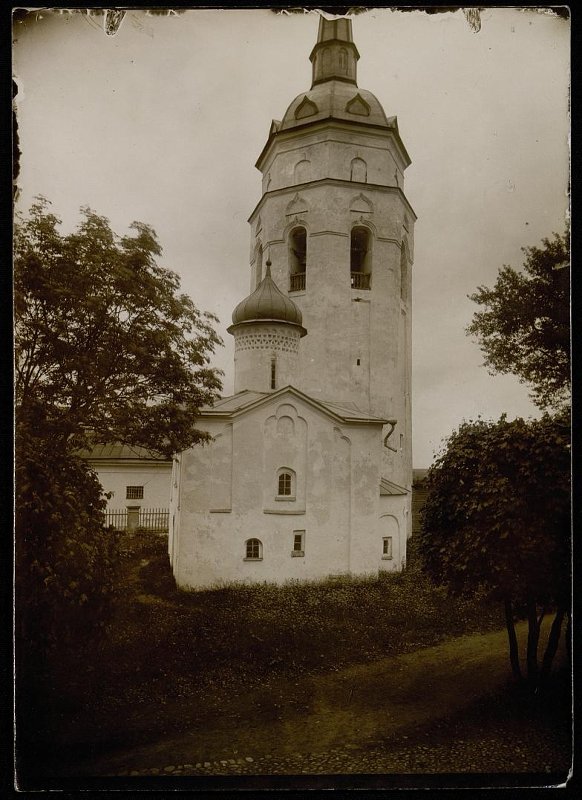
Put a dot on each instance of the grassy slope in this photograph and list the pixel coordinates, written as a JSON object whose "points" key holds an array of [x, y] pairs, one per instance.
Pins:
{"points": [[294, 667], [390, 700]]}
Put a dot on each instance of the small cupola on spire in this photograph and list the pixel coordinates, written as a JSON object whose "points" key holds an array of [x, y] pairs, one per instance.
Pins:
{"points": [[335, 55]]}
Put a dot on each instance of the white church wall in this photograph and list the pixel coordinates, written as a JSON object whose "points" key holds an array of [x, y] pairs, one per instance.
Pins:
{"points": [[336, 471]]}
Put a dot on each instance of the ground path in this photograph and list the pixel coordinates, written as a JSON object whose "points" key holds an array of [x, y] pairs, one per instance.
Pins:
{"points": [[406, 714]]}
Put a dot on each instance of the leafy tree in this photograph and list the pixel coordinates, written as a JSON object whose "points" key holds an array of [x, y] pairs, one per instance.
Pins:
{"points": [[497, 517], [106, 346], [106, 349], [524, 327]]}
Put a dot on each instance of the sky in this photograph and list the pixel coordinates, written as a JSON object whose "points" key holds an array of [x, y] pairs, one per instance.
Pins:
{"points": [[163, 122]]}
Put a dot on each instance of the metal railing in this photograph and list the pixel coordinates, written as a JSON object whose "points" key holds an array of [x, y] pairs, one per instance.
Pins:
{"points": [[297, 282], [151, 519], [360, 280]]}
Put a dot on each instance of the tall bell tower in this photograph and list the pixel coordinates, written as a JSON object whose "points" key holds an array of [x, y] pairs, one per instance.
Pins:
{"points": [[338, 229]]}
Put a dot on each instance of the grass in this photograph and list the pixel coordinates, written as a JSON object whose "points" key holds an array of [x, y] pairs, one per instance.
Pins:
{"points": [[166, 645], [246, 634], [178, 664]]}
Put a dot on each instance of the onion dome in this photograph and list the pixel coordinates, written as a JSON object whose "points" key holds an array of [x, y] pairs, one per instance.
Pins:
{"points": [[267, 304]]}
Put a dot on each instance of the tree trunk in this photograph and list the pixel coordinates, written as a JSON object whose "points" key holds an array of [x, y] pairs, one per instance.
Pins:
{"points": [[552, 645], [532, 643], [513, 648]]}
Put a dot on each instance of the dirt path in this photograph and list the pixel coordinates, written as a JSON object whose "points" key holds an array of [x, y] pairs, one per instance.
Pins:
{"points": [[332, 713]]}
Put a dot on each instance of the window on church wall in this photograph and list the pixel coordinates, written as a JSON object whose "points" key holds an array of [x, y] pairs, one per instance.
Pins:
{"points": [[358, 170], [387, 547], [253, 550], [298, 544], [286, 484], [297, 259], [360, 258], [273, 373]]}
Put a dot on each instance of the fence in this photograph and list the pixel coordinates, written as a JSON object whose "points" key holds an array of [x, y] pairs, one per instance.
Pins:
{"points": [[151, 519]]}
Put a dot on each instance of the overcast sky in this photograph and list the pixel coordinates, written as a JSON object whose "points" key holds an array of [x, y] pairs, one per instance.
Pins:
{"points": [[164, 121]]}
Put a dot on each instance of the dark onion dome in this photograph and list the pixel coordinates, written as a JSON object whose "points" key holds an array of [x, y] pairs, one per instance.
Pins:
{"points": [[268, 304]]}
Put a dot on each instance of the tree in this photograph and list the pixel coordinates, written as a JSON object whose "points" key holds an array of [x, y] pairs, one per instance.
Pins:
{"points": [[107, 349], [497, 517], [524, 327]]}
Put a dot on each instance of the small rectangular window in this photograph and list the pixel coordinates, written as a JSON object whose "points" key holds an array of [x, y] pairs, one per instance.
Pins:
{"points": [[134, 492], [298, 543], [387, 547], [273, 374]]}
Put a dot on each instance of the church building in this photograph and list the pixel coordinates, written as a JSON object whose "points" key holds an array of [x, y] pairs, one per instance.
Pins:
{"points": [[309, 472]]}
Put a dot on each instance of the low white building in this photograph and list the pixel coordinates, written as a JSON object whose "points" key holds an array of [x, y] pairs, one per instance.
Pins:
{"points": [[137, 482], [309, 473]]}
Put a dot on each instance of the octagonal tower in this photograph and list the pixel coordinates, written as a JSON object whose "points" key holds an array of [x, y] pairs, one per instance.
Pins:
{"points": [[339, 229]]}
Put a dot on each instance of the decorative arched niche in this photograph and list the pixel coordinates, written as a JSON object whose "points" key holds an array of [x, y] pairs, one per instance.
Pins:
{"points": [[404, 271], [302, 170], [306, 108], [358, 170], [357, 105], [343, 61]]}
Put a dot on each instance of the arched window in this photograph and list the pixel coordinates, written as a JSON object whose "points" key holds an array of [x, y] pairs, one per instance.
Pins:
{"points": [[297, 259], [360, 258], [286, 484], [258, 264], [254, 550], [403, 273], [359, 170]]}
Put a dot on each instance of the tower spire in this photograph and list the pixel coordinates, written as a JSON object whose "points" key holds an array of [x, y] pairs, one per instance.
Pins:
{"points": [[335, 55]]}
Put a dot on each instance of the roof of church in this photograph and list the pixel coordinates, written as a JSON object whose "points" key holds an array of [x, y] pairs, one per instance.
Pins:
{"points": [[118, 451], [390, 488], [267, 302], [246, 399], [334, 92], [339, 100]]}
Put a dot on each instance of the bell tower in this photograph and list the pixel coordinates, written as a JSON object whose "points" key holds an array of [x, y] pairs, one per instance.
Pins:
{"points": [[340, 232]]}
